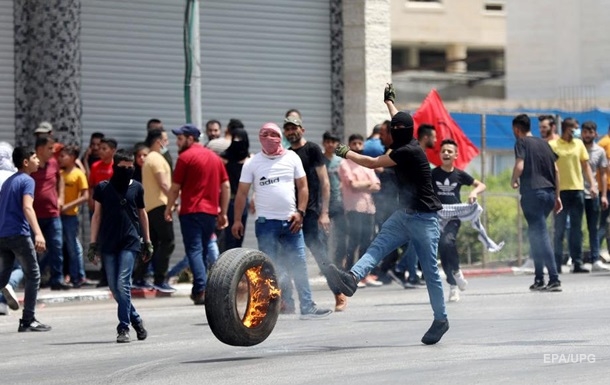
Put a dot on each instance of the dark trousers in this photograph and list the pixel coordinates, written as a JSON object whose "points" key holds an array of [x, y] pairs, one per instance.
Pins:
{"points": [[316, 240], [162, 239], [603, 226], [339, 227], [573, 206], [360, 230], [447, 249], [592, 211]]}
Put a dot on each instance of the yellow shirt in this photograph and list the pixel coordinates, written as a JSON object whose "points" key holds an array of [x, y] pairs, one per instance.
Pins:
{"points": [[570, 154], [605, 144], [75, 181], [153, 195]]}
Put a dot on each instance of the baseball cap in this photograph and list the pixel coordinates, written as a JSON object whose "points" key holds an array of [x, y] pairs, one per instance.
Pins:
{"points": [[187, 129], [293, 120], [44, 128]]}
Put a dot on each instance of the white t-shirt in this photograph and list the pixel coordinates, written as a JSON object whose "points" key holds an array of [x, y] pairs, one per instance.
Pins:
{"points": [[273, 183]]}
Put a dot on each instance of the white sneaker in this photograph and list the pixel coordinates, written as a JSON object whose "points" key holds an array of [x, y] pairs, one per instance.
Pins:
{"points": [[3, 309], [599, 266], [528, 264], [454, 294], [10, 297], [460, 280]]}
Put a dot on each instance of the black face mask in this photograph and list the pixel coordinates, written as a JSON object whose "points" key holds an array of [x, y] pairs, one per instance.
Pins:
{"points": [[401, 129], [121, 176]]}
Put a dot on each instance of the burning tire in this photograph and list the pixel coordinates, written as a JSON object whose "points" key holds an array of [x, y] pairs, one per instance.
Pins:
{"points": [[242, 301]]}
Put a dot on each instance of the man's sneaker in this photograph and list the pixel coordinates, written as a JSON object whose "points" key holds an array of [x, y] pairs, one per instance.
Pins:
{"points": [[454, 294], [436, 331], [579, 269], [369, 280], [11, 298], [32, 326], [141, 332], [398, 276], [460, 280], [341, 281], [553, 286], [3, 308], [315, 312], [142, 285], [537, 286], [361, 285], [123, 336], [414, 283], [598, 266], [164, 288], [61, 286]]}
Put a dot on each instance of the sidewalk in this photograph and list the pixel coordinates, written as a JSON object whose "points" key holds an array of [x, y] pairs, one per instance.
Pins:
{"points": [[47, 296]]}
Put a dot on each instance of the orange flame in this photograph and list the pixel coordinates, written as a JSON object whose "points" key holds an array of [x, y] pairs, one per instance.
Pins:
{"points": [[262, 290]]}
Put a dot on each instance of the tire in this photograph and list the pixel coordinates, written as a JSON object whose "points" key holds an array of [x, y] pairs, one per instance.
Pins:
{"points": [[224, 302]]}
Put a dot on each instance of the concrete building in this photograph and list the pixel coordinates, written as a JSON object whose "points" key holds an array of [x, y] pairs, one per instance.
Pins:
{"points": [[558, 51]]}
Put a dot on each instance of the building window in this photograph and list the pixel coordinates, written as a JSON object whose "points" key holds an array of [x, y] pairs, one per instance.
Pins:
{"points": [[494, 7], [424, 4]]}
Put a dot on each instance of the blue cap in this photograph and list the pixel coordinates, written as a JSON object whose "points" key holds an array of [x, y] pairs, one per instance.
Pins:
{"points": [[187, 129]]}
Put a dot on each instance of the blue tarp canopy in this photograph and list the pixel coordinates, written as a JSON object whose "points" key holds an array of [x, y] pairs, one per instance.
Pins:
{"points": [[499, 127]]}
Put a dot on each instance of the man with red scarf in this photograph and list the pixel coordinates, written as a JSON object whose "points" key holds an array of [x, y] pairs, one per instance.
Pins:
{"points": [[274, 173]]}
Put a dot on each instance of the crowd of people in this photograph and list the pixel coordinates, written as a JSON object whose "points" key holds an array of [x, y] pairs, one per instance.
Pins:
{"points": [[371, 211]]}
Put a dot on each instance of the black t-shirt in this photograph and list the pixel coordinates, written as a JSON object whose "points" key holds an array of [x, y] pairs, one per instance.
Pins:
{"points": [[120, 225], [538, 164], [414, 179], [312, 157], [447, 185]]}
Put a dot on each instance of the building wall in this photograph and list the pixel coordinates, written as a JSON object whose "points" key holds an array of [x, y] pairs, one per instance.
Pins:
{"points": [[7, 72], [558, 49], [447, 22]]}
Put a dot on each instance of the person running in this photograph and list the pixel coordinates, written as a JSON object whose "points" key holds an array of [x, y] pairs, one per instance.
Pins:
{"points": [[416, 220], [447, 182]]}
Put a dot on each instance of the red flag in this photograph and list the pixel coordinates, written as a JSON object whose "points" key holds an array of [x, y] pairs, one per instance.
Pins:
{"points": [[432, 111]]}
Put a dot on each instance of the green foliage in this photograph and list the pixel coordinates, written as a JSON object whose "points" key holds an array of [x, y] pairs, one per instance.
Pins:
{"points": [[501, 220]]}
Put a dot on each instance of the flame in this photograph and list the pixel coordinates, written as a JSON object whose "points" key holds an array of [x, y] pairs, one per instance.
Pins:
{"points": [[262, 290]]}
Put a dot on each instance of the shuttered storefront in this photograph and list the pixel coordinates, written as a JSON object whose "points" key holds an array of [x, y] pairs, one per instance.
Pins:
{"points": [[258, 59], [7, 73]]}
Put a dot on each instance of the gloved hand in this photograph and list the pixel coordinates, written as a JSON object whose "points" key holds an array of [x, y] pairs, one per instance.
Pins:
{"points": [[389, 93], [92, 252], [342, 150], [147, 251]]}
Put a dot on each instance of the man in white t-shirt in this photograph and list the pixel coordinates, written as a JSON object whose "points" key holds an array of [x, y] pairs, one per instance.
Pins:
{"points": [[273, 173]]}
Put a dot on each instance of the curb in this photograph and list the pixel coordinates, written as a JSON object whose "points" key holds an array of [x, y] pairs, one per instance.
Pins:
{"points": [[184, 289], [491, 272]]}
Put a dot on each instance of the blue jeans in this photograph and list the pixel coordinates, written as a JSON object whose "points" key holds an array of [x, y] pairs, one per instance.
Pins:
{"points": [[212, 257], [14, 279], [197, 229], [422, 230], [537, 205], [70, 228], [573, 206], [21, 248], [51, 230], [592, 211], [287, 251], [119, 268]]}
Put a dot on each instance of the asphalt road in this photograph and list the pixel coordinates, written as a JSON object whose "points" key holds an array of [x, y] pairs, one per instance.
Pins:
{"points": [[500, 333]]}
